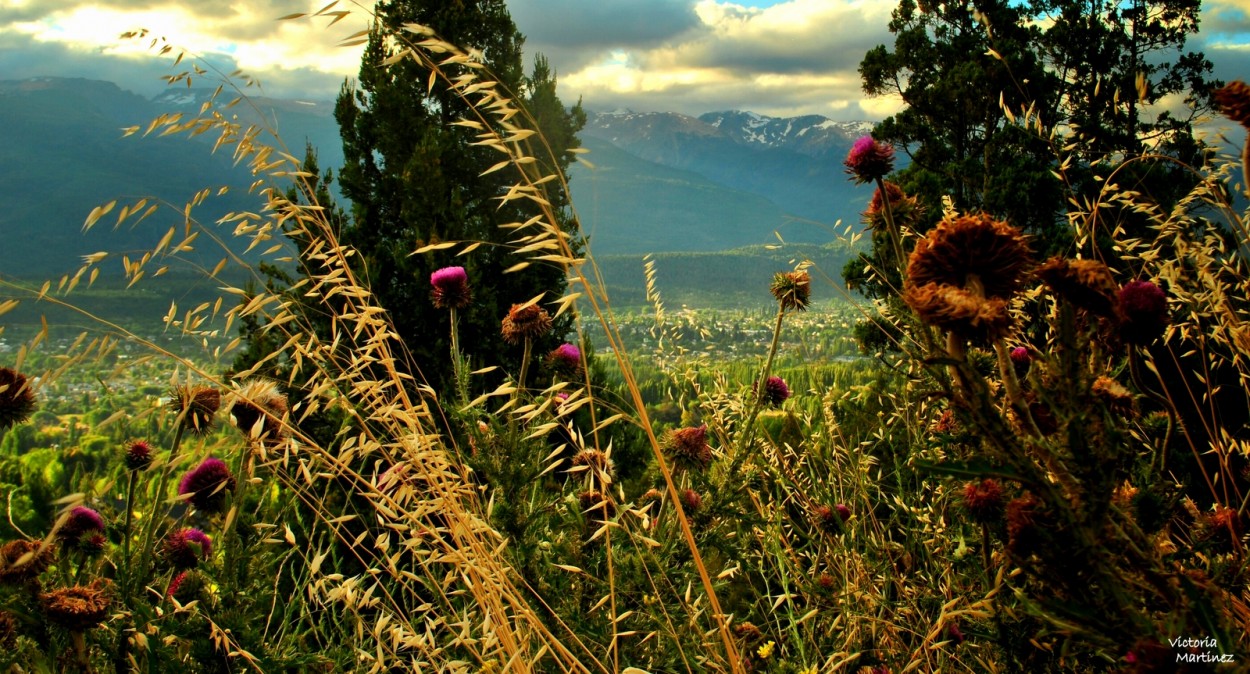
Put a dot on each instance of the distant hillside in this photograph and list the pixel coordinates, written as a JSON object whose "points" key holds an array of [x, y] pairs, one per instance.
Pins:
{"points": [[796, 163], [731, 278], [661, 182]]}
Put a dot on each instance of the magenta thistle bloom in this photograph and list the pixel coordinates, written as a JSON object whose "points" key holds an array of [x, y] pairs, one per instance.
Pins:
{"points": [[869, 160], [450, 288], [138, 455], [1143, 312], [82, 523], [185, 548], [775, 391], [207, 484], [1021, 356], [984, 500], [566, 358]]}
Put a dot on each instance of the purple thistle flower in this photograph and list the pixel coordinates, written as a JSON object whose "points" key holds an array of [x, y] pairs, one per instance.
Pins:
{"points": [[81, 524], [138, 455], [1143, 312], [869, 160], [207, 484], [566, 359], [185, 548], [775, 391], [450, 288]]}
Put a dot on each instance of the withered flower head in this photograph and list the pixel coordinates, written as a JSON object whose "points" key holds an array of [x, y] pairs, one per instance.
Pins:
{"points": [[207, 485], [1112, 393], [904, 208], [594, 502], [525, 322], [960, 311], [974, 252], [593, 459], [1143, 312], [984, 500], [1233, 99], [259, 399], [22, 561], [688, 449], [138, 455], [17, 401], [8, 631], [1087, 284], [195, 405], [792, 289], [449, 288], [77, 608], [1023, 536], [869, 160]]}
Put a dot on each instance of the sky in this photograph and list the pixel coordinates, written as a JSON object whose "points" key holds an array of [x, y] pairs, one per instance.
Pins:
{"points": [[775, 57]]}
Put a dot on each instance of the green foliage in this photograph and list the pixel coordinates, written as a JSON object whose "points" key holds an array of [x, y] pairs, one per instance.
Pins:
{"points": [[415, 178]]}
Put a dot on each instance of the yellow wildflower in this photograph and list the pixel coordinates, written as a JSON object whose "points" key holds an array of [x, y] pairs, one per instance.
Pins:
{"points": [[766, 650]]}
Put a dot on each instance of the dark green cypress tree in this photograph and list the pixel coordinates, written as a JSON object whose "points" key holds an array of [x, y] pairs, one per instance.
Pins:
{"points": [[414, 178]]}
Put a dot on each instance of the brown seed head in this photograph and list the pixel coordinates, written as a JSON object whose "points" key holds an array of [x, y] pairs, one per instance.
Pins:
{"points": [[1087, 284], [258, 399], [525, 322], [973, 252], [792, 289], [688, 449], [1233, 99], [22, 561], [77, 608], [1112, 393], [195, 405], [960, 311], [17, 400]]}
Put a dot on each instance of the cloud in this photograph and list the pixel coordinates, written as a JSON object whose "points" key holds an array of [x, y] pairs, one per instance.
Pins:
{"points": [[795, 57]]}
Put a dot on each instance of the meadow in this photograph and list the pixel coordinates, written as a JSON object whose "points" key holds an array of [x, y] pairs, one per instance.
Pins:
{"points": [[1002, 462]]}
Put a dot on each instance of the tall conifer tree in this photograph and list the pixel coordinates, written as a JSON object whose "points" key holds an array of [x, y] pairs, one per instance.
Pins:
{"points": [[414, 178]]}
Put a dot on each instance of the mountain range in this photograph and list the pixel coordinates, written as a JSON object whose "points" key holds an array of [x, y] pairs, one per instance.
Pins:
{"points": [[653, 181]]}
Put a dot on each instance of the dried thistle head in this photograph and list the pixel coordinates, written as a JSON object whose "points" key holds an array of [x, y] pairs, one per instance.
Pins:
{"points": [[974, 252], [595, 502], [593, 459], [449, 288], [1087, 284], [196, 406], [17, 400], [959, 311], [1119, 400], [903, 207], [78, 608], [984, 500], [1233, 99], [792, 289], [255, 400], [688, 448], [525, 321], [22, 561], [8, 631]]}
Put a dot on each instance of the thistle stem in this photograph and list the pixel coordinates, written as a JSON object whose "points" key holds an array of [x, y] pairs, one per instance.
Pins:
{"points": [[162, 485], [896, 237], [757, 401]]}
